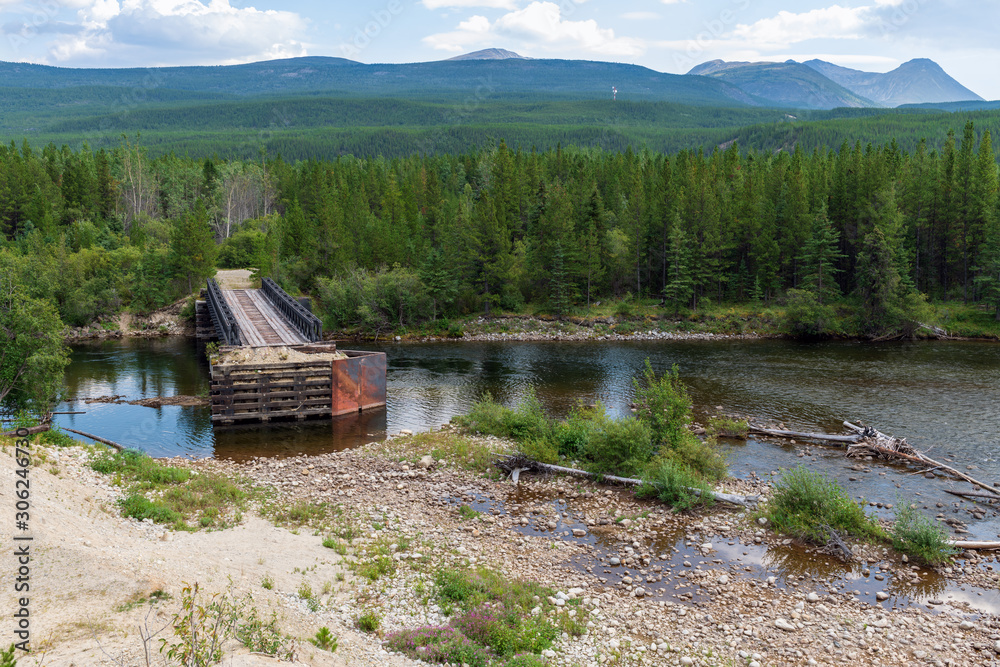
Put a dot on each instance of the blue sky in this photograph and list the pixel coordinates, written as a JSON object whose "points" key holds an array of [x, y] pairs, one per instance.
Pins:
{"points": [[666, 35]]}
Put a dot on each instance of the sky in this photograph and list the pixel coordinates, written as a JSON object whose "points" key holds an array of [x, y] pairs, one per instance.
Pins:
{"points": [[665, 35]]}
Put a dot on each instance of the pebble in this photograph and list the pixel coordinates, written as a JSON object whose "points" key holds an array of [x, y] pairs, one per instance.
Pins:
{"points": [[881, 596], [783, 624]]}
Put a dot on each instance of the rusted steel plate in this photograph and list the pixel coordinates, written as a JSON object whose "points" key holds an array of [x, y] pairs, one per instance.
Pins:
{"points": [[373, 368], [358, 382]]}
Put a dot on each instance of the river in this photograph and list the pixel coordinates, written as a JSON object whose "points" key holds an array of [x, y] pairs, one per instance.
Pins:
{"points": [[942, 396]]}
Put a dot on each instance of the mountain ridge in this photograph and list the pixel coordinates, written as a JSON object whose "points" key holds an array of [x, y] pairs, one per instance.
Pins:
{"points": [[917, 81]]}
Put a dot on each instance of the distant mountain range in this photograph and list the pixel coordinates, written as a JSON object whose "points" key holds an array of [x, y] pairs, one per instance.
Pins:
{"points": [[817, 84], [500, 74]]}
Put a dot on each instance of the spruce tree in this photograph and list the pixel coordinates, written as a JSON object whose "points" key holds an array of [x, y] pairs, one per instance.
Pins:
{"points": [[680, 285], [819, 259]]}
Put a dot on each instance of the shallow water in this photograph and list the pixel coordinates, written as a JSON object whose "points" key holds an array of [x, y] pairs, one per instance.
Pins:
{"points": [[942, 396]]}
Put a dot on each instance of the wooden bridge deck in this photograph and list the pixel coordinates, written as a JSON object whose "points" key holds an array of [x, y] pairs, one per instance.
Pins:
{"points": [[261, 325]]}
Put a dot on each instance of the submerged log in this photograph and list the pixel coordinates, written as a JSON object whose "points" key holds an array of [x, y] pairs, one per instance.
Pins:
{"points": [[97, 438], [973, 494], [515, 465], [811, 436]]}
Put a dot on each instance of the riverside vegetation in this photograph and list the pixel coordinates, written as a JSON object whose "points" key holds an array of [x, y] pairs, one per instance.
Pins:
{"points": [[861, 240], [348, 506]]}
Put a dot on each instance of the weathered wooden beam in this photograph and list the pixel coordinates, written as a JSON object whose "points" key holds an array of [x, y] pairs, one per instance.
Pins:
{"points": [[103, 441], [851, 439]]}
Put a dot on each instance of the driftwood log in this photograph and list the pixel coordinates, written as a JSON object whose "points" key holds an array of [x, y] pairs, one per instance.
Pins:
{"points": [[31, 431], [516, 464], [984, 546], [103, 441], [973, 494], [811, 436], [890, 447]]}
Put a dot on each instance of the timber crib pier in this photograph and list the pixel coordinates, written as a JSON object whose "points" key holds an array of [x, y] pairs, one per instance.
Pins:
{"points": [[327, 386]]}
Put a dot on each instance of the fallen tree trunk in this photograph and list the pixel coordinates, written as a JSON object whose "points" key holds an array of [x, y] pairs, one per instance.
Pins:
{"points": [[30, 431], [973, 494], [97, 438], [915, 456], [812, 436], [985, 546], [515, 465]]}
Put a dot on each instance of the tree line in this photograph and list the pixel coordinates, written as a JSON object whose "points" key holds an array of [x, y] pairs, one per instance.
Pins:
{"points": [[384, 242]]}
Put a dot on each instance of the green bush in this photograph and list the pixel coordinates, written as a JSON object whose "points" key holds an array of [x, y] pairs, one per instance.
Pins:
{"points": [[806, 504], [525, 422], [806, 317], [702, 457], [369, 622], [140, 507], [916, 535], [618, 446], [663, 403], [672, 483]]}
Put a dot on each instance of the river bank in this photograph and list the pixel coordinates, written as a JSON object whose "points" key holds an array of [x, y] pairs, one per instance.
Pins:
{"points": [[652, 587]]}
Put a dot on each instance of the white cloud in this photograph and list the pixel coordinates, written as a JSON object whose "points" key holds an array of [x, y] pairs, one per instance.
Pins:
{"points": [[540, 25], [788, 28], [147, 32], [452, 4]]}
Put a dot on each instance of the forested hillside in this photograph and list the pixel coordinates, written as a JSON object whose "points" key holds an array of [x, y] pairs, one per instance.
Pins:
{"points": [[494, 228]]}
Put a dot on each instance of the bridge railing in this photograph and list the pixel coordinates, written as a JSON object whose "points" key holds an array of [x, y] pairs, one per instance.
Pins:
{"points": [[222, 315], [298, 315]]}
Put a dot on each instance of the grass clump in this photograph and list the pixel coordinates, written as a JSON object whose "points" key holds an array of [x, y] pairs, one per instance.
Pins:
{"points": [[376, 567], [170, 495], [807, 505], [674, 483], [369, 622], [917, 536], [138, 470], [725, 427]]}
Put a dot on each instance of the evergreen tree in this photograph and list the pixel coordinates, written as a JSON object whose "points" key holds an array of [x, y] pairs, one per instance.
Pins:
{"points": [[192, 247], [680, 286], [819, 259]]}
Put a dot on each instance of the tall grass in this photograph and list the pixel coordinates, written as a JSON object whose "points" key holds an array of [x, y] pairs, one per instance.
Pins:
{"points": [[807, 505], [916, 535]]}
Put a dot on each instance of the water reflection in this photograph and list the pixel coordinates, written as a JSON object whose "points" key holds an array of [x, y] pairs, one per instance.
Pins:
{"points": [[941, 393]]}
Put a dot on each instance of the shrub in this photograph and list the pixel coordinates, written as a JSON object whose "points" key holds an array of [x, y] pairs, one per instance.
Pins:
{"points": [[916, 535], [619, 446], [663, 403], [806, 505], [439, 645], [702, 457], [526, 421], [805, 316], [505, 630], [672, 483], [369, 622]]}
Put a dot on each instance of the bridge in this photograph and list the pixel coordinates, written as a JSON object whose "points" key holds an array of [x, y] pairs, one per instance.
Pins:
{"points": [[314, 380], [263, 317]]}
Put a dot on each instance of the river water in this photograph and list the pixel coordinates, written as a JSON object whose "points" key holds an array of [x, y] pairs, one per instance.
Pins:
{"points": [[944, 397], [941, 395]]}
